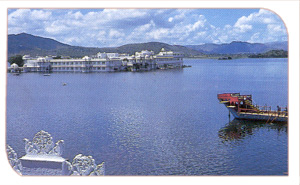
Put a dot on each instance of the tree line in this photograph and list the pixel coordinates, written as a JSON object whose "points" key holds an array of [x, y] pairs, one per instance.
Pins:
{"points": [[271, 54]]}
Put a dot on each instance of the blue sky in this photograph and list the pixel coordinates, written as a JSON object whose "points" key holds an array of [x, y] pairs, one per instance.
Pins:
{"points": [[116, 27]]}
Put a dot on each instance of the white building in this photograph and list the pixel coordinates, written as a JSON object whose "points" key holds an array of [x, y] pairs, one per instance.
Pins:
{"points": [[105, 62], [40, 64], [14, 68], [144, 53], [168, 59]]}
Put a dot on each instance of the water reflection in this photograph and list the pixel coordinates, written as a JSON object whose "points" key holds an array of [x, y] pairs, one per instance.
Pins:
{"points": [[239, 129]]}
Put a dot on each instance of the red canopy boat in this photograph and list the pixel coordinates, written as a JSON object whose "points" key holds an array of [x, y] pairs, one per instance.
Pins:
{"points": [[241, 107]]}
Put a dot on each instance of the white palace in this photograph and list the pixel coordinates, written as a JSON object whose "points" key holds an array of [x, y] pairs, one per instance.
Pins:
{"points": [[104, 62]]}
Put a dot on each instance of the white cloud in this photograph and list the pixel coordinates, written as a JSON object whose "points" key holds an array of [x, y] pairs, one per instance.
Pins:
{"points": [[222, 39], [121, 26], [115, 34], [158, 33], [268, 20], [57, 27], [120, 14], [260, 18], [40, 15], [266, 23], [254, 37], [178, 17], [202, 33], [200, 23], [25, 15], [244, 24], [275, 28], [73, 39], [17, 15], [145, 27], [77, 15], [27, 20], [244, 28]]}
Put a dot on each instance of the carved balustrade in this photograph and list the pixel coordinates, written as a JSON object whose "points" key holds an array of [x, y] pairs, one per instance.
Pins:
{"points": [[42, 146], [13, 160]]}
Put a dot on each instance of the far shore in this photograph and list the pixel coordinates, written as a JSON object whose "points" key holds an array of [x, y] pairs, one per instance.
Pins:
{"points": [[232, 57]]}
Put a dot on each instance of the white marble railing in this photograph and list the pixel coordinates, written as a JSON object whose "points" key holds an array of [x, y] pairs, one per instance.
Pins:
{"points": [[42, 153], [42, 144], [13, 160], [84, 166]]}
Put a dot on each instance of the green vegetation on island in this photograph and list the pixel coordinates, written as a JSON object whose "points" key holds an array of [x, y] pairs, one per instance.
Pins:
{"points": [[268, 54], [18, 59], [271, 54]]}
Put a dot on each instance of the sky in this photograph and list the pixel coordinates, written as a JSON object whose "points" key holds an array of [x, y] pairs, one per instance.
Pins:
{"points": [[116, 27]]}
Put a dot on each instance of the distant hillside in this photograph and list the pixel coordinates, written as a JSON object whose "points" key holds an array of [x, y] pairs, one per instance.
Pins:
{"points": [[26, 42], [278, 45], [238, 47], [271, 54], [23, 43], [156, 47]]}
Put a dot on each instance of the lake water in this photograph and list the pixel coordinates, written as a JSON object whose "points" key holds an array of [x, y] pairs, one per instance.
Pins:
{"points": [[164, 122]]}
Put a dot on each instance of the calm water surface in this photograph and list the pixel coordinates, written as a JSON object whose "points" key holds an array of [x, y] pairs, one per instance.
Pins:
{"points": [[166, 122]]}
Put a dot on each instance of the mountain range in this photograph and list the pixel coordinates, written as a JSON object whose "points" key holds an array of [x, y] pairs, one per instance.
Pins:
{"points": [[238, 47], [23, 43]]}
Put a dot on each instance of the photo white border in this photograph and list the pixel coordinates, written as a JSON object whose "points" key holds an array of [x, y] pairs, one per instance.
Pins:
{"points": [[287, 10]]}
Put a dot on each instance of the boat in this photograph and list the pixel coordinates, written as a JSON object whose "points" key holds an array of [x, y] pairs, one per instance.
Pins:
{"points": [[241, 107]]}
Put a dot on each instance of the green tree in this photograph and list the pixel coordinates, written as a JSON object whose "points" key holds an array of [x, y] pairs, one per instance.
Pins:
{"points": [[57, 57], [16, 59]]}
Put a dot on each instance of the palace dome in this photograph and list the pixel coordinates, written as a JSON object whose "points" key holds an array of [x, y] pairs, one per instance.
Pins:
{"points": [[14, 66]]}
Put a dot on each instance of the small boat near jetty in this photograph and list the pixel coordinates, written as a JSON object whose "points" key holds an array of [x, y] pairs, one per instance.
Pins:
{"points": [[241, 107]]}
